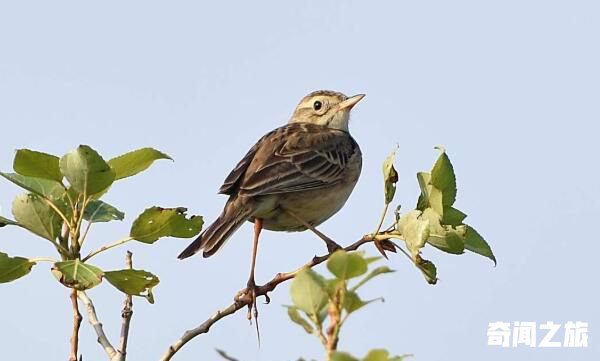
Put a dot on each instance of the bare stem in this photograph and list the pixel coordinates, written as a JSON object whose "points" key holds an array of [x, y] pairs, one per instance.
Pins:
{"points": [[76, 324], [381, 219], [93, 319], [107, 247], [243, 299], [126, 315]]}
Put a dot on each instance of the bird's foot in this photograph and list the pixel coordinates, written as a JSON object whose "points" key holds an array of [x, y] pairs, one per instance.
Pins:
{"points": [[251, 291]]}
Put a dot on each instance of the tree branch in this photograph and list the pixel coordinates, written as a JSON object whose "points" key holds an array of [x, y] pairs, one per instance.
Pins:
{"points": [[126, 315], [76, 325], [242, 299], [93, 319]]}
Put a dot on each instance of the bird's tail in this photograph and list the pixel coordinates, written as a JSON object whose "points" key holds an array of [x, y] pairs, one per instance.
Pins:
{"points": [[212, 239]]}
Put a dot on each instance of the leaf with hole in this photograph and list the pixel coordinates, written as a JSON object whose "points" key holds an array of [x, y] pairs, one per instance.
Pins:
{"points": [[78, 275], [86, 171], [12, 268], [346, 265], [33, 213], [37, 164], [98, 211], [132, 163], [133, 282], [156, 222]]}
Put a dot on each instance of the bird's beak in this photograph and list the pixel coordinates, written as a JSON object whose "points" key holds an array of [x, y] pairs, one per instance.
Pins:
{"points": [[350, 102]]}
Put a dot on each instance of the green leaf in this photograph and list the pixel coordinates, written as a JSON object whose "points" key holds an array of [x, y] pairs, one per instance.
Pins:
{"points": [[78, 275], [390, 177], [49, 189], [133, 282], [445, 238], [309, 292], [156, 222], [37, 164], [377, 355], [424, 178], [374, 273], [453, 216], [443, 178], [341, 356], [353, 302], [132, 163], [98, 211], [7, 222], [474, 242], [299, 320], [12, 268], [86, 171], [33, 213], [346, 265], [414, 230], [428, 269]]}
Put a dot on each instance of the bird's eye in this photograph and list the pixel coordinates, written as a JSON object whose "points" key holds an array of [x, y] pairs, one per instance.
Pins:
{"points": [[317, 105]]}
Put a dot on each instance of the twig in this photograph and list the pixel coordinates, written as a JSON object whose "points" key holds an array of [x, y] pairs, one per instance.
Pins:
{"points": [[93, 319], [107, 247], [224, 355], [76, 325], [243, 299], [126, 315]]}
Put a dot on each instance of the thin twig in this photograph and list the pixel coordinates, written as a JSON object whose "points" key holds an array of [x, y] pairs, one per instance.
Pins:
{"points": [[93, 319], [243, 299], [76, 324], [126, 314], [224, 355], [107, 247]]}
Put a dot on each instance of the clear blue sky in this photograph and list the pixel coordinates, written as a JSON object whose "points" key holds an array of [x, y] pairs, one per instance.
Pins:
{"points": [[510, 88]]}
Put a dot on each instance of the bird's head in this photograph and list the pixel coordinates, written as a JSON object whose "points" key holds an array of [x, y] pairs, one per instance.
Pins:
{"points": [[327, 108]]}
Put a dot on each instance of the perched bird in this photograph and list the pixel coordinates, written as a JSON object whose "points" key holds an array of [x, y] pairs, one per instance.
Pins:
{"points": [[294, 178]]}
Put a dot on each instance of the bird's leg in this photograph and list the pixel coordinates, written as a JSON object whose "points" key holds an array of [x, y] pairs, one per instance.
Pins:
{"points": [[331, 245], [252, 310]]}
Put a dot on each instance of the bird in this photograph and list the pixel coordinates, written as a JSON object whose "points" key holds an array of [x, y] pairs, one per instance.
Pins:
{"points": [[294, 178]]}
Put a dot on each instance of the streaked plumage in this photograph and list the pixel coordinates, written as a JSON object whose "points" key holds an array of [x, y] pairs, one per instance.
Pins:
{"points": [[308, 167]]}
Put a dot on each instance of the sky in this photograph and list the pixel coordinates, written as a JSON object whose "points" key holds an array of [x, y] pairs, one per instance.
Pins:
{"points": [[509, 88]]}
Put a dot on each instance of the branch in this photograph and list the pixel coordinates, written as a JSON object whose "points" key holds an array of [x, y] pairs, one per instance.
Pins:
{"points": [[242, 298], [93, 319], [76, 325], [126, 314]]}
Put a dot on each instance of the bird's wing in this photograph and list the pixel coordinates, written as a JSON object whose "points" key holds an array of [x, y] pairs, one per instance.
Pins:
{"points": [[296, 157], [231, 183]]}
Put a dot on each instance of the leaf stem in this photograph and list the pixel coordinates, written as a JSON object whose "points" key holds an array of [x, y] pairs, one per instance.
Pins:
{"points": [[58, 211], [42, 259], [107, 247], [381, 218]]}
